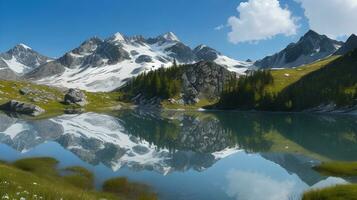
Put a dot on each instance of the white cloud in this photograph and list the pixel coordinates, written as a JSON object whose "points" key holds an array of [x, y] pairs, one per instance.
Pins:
{"points": [[331, 17], [218, 28], [260, 20], [252, 186]]}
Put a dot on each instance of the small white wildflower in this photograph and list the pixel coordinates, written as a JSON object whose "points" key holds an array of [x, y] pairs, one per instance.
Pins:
{"points": [[5, 197], [25, 192], [22, 198], [17, 193]]}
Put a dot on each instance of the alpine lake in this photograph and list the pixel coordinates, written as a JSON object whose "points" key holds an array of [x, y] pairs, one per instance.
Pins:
{"points": [[192, 155]]}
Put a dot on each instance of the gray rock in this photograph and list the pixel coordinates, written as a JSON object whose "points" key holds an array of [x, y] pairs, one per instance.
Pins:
{"points": [[22, 108], [203, 80], [181, 53], [143, 58], [206, 53], [46, 70], [134, 53], [75, 96], [25, 91]]}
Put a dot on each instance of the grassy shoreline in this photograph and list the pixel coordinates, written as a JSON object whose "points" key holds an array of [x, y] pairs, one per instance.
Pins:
{"points": [[39, 178], [50, 98]]}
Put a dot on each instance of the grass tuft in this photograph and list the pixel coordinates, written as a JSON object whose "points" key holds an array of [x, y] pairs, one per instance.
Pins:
{"points": [[338, 192], [338, 168], [39, 166], [38, 178], [122, 186]]}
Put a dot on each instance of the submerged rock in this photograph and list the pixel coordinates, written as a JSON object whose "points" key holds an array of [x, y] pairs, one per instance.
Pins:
{"points": [[75, 96], [22, 108]]}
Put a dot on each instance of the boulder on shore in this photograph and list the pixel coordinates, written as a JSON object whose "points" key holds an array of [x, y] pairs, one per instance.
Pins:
{"points": [[22, 108], [75, 96]]}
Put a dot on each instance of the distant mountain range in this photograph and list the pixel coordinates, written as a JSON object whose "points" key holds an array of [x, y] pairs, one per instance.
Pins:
{"points": [[104, 65]]}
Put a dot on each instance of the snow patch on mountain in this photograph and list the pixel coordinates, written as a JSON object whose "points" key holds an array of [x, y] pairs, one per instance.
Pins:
{"points": [[239, 67], [171, 37], [16, 66], [25, 46]]}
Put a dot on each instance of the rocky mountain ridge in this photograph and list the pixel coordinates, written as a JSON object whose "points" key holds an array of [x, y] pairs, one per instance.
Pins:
{"points": [[311, 47], [106, 64], [20, 60]]}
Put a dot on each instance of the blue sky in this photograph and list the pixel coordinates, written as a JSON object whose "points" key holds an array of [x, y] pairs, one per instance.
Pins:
{"points": [[53, 27]]}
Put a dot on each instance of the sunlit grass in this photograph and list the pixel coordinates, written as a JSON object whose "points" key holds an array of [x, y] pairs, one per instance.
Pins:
{"points": [[51, 98], [338, 168], [338, 192], [285, 77]]}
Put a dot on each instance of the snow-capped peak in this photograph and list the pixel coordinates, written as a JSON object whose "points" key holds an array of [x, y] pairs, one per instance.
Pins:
{"points": [[170, 36], [24, 46], [200, 47], [118, 37]]}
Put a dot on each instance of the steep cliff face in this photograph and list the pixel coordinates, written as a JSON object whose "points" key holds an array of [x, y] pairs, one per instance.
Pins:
{"points": [[203, 80]]}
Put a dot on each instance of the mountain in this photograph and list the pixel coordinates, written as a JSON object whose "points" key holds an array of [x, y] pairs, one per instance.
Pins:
{"points": [[104, 65], [331, 88], [205, 53], [349, 45], [20, 60], [311, 47]]}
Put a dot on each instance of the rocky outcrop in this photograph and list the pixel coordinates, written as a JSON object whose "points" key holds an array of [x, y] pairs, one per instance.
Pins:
{"points": [[203, 80], [206, 53], [22, 108], [143, 58], [46, 70], [75, 96], [181, 53]]}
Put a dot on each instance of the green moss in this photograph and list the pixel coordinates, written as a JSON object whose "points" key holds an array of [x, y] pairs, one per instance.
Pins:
{"points": [[38, 178], [338, 168], [339, 192], [132, 190], [79, 177], [40, 166]]}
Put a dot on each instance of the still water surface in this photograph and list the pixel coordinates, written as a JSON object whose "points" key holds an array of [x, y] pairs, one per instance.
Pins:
{"points": [[192, 155]]}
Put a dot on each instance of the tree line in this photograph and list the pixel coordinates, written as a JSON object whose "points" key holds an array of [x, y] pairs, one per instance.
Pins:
{"points": [[163, 83]]}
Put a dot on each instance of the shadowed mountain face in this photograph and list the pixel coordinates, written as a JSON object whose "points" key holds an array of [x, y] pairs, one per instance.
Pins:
{"points": [[311, 47], [349, 45]]}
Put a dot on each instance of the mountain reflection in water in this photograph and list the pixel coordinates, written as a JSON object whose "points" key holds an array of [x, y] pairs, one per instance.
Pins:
{"points": [[273, 152]]}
